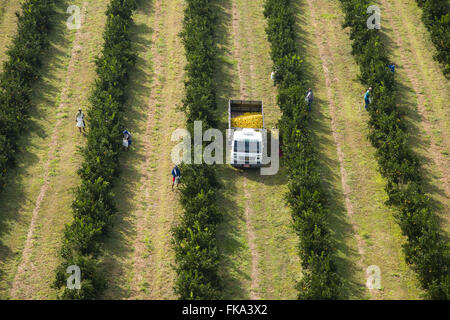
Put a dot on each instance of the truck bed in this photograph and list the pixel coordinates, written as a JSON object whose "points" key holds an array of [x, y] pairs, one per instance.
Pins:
{"points": [[239, 107]]}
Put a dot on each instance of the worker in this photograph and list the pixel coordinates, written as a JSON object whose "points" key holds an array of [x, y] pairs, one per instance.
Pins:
{"points": [[176, 176], [79, 119], [273, 75], [309, 98], [392, 67], [126, 139], [367, 98]]}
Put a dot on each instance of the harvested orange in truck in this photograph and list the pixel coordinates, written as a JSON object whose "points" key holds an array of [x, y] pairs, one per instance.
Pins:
{"points": [[248, 120]]}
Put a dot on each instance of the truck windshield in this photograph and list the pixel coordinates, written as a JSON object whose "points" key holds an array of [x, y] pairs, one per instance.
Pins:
{"points": [[247, 146]]}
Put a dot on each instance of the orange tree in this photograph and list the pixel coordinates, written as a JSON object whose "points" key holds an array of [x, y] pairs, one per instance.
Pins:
{"points": [[436, 16], [20, 71], [194, 238], [306, 198]]}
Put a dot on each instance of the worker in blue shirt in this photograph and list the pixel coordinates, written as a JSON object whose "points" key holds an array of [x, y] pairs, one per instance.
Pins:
{"points": [[392, 67], [176, 175], [367, 98], [126, 139]]}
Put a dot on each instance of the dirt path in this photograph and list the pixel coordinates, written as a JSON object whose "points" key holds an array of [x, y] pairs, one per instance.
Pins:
{"points": [[147, 206], [431, 99], [18, 283], [248, 210]]}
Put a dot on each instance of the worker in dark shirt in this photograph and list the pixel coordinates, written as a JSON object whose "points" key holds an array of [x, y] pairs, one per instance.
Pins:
{"points": [[309, 98], [176, 175]]}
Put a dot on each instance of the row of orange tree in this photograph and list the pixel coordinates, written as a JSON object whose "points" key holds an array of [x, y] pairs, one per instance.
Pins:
{"points": [[425, 249], [306, 198], [194, 238], [20, 72], [436, 16], [94, 205]]}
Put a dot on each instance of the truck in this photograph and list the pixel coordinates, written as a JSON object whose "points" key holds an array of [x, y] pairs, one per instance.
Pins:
{"points": [[246, 143]]}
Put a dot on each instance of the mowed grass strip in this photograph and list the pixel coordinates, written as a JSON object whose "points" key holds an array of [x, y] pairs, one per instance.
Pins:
{"points": [[56, 206], [235, 267], [278, 265], [23, 190], [139, 252], [374, 221]]}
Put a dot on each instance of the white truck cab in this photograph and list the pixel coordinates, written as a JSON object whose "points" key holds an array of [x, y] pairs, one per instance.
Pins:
{"points": [[247, 144]]}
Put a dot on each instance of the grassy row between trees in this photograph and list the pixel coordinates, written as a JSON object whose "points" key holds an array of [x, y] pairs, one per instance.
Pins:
{"points": [[94, 205], [20, 72], [305, 197], [194, 238], [436, 17], [2, 10], [426, 250]]}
